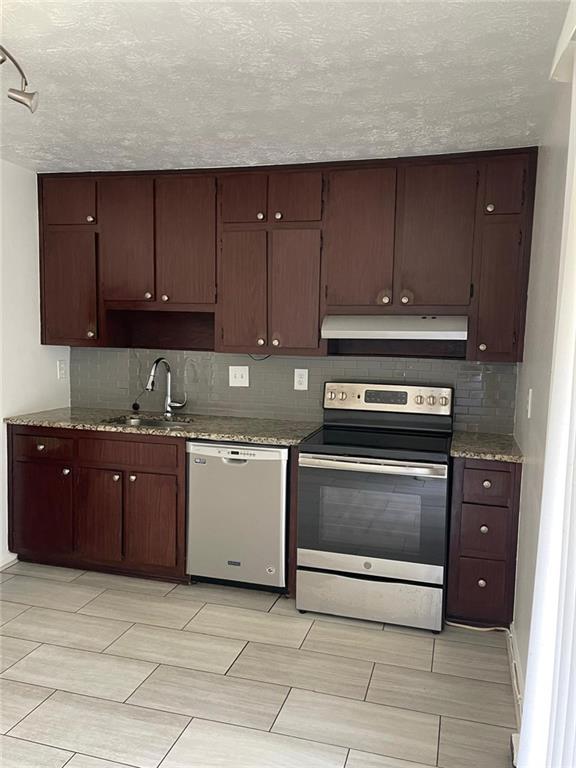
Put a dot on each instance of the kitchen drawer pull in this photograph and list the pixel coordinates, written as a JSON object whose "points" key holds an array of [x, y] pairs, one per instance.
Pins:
{"points": [[90, 219], [40, 447], [116, 477], [66, 471], [482, 583], [132, 478], [484, 529], [487, 484], [260, 216]]}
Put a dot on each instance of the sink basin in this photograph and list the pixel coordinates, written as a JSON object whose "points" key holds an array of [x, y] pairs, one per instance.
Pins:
{"points": [[158, 422]]}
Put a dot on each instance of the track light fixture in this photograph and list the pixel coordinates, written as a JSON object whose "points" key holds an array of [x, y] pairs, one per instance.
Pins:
{"points": [[21, 95]]}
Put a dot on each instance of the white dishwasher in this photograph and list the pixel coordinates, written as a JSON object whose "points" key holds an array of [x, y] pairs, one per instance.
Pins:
{"points": [[237, 513]]}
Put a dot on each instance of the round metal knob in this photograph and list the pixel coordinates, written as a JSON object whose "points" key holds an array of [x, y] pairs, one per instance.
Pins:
{"points": [[342, 395], [367, 565], [487, 484], [431, 400], [66, 471], [484, 529], [275, 343], [164, 297], [405, 300], [147, 295], [385, 299], [90, 218], [419, 399], [115, 478], [444, 400], [278, 215], [481, 583], [132, 478], [260, 216], [482, 347], [261, 342], [331, 395], [490, 207], [90, 334], [40, 447]]}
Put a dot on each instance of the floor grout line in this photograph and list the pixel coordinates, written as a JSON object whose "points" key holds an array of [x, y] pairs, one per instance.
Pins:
{"points": [[8, 732], [156, 666]]}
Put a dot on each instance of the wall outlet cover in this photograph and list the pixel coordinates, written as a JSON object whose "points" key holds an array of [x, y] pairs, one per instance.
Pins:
{"points": [[238, 375], [300, 378], [62, 370]]}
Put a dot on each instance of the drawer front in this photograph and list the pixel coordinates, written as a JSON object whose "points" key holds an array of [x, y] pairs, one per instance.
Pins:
{"points": [[487, 487], [482, 589], [124, 453], [42, 446], [484, 531]]}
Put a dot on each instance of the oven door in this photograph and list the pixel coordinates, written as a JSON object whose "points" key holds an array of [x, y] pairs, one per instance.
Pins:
{"points": [[373, 516]]}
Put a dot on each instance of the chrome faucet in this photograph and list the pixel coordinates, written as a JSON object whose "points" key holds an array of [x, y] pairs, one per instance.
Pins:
{"points": [[168, 402]]}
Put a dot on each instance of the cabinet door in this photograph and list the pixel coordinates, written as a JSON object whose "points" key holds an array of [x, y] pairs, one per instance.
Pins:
{"points": [[126, 206], [359, 237], [244, 197], [500, 293], [295, 196], [98, 515], [294, 288], [243, 291], [186, 239], [69, 201], [69, 296], [435, 233], [42, 508], [505, 185], [150, 519]]}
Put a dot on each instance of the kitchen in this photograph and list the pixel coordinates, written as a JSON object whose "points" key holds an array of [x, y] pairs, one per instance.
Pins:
{"points": [[269, 434]]}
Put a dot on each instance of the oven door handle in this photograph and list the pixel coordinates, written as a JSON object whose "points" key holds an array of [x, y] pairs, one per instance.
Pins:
{"points": [[439, 471]]}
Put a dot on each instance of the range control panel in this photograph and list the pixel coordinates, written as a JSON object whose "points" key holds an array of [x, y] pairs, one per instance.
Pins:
{"points": [[389, 398]]}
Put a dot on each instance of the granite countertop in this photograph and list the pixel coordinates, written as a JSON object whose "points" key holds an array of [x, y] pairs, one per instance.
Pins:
{"points": [[487, 446], [226, 428]]}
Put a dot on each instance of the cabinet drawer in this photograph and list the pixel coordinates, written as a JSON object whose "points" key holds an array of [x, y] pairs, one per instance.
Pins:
{"points": [[482, 589], [488, 486], [484, 531], [42, 446], [124, 453]]}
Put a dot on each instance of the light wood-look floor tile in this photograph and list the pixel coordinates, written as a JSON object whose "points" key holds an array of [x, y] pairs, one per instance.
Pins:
{"points": [[211, 697], [125, 583], [482, 662], [44, 593], [304, 669], [383, 647], [39, 571], [141, 608], [495, 638], [256, 599], [83, 761], [213, 745], [178, 648], [118, 732], [360, 725], [472, 745], [12, 650], [250, 625], [45, 625], [287, 607], [92, 674], [4, 576], [9, 610], [15, 753], [17, 700], [367, 760], [438, 694]]}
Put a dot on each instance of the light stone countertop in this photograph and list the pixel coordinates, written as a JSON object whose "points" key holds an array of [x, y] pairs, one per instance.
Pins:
{"points": [[487, 446], [235, 429]]}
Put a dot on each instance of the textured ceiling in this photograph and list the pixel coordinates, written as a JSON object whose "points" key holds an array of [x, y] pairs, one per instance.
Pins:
{"points": [[175, 84]]}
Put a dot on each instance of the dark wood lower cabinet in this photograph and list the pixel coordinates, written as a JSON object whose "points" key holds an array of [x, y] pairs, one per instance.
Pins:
{"points": [[150, 519], [98, 515]]}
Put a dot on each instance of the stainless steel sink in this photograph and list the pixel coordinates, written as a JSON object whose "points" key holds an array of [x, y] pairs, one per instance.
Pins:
{"points": [[150, 421]]}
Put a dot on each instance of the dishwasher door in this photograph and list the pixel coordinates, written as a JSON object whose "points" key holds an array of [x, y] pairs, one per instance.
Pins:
{"points": [[237, 513]]}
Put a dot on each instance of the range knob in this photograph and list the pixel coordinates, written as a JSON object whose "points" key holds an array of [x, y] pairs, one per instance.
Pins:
{"points": [[331, 395], [342, 395], [444, 400], [431, 400], [419, 400]]}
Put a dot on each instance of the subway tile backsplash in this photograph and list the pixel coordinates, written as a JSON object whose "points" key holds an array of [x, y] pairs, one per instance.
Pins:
{"points": [[114, 378]]}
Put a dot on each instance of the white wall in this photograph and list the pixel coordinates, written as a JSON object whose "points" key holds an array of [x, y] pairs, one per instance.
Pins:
{"points": [[28, 380], [536, 370]]}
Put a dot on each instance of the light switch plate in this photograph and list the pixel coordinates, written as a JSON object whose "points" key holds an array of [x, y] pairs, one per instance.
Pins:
{"points": [[238, 375], [300, 378], [62, 370]]}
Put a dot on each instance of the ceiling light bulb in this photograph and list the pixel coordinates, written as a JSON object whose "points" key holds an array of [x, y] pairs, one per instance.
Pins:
{"points": [[29, 99]]}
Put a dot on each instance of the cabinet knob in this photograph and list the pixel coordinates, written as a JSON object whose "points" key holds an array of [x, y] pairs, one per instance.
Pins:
{"points": [[90, 218], [40, 447], [66, 471], [482, 347], [116, 478], [90, 334], [487, 484], [147, 295], [260, 216], [275, 343], [405, 300], [385, 299], [278, 215], [261, 342], [484, 529], [490, 207], [164, 297], [132, 478], [481, 583]]}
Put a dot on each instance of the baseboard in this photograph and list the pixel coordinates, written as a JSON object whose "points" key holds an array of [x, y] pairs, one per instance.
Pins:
{"points": [[8, 562], [516, 673]]}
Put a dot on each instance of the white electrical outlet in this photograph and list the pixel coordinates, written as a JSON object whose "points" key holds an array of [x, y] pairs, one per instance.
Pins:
{"points": [[238, 375], [300, 378], [529, 404], [61, 370]]}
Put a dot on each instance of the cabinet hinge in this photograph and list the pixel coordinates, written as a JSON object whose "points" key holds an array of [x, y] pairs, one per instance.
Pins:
{"points": [[520, 238], [471, 290]]}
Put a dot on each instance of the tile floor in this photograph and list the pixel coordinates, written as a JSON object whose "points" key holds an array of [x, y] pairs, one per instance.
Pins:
{"points": [[102, 671]]}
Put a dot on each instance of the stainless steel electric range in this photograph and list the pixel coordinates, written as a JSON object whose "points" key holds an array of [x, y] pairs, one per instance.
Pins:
{"points": [[373, 504]]}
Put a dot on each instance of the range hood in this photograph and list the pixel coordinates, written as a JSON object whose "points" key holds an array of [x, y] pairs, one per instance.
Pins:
{"points": [[414, 327]]}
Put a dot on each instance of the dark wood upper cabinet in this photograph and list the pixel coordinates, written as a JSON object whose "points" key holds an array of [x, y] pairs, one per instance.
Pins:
{"points": [[295, 196], [359, 237], [150, 519], [126, 218], [244, 197], [69, 201], [42, 501], [294, 271], [98, 515], [69, 278], [435, 234], [243, 289], [185, 217], [505, 186], [502, 292]]}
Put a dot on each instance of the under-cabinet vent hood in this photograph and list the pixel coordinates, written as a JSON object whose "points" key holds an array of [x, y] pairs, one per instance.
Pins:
{"points": [[415, 327]]}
